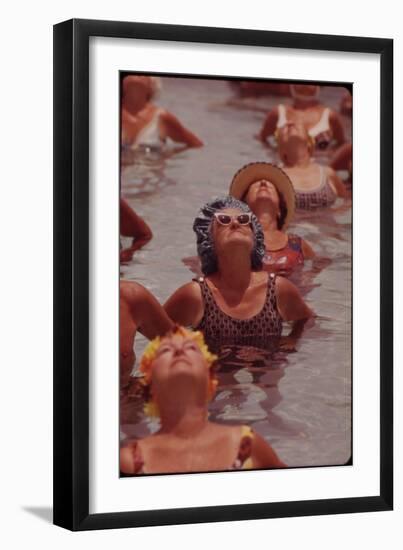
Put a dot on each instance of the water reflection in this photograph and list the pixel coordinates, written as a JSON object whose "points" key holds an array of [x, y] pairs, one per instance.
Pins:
{"points": [[300, 402], [143, 169]]}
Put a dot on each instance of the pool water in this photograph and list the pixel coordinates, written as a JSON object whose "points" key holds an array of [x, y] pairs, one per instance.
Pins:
{"points": [[300, 402]]}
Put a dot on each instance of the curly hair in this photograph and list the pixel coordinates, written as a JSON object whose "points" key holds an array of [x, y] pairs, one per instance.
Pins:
{"points": [[202, 226], [150, 353]]}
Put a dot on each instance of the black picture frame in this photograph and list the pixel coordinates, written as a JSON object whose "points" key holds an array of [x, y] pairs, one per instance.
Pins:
{"points": [[71, 274]]}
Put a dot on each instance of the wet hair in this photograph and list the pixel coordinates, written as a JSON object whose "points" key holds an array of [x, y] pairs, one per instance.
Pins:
{"points": [[203, 224], [282, 207]]}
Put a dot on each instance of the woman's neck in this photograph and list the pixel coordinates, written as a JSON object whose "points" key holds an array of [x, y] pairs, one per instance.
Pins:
{"points": [[133, 106], [234, 270], [184, 420], [302, 104], [267, 217], [298, 156]]}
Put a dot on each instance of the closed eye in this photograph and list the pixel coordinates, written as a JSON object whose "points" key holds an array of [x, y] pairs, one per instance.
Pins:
{"points": [[191, 346], [164, 349]]}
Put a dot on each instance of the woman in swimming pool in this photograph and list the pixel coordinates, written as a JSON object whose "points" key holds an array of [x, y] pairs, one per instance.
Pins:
{"points": [[269, 193], [132, 225], [236, 302], [323, 124], [178, 372], [315, 185], [143, 123]]}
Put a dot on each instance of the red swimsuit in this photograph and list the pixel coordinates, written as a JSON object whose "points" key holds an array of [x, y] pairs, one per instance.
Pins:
{"points": [[284, 261]]}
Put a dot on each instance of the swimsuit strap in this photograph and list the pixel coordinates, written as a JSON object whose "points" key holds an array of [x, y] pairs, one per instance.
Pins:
{"points": [[150, 133], [220, 328], [322, 181], [207, 295], [271, 301], [210, 302], [282, 116], [322, 125], [323, 176], [138, 461], [243, 460]]}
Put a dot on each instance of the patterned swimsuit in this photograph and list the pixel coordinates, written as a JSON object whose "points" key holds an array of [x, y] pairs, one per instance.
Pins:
{"points": [[284, 261], [220, 329], [320, 197]]}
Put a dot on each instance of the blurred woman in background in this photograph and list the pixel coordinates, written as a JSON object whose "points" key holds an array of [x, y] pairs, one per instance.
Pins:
{"points": [[322, 124], [315, 185], [143, 123]]}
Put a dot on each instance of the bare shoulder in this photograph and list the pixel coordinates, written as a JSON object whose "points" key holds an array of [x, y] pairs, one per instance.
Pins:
{"points": [[263, 455], [272, 115], [133, 292], [335, 182], [261, 278], [334, 115], [167, 116], [307, 250], [224, 434], [128, 289], [286, 291], [329, 171], [283, 284], [185, 306], [131, 458], [138, 297], [189, 291], [127, 459]]}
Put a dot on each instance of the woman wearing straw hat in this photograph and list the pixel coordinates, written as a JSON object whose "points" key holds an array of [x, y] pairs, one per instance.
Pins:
{"points": [[178, 376], [269, 193], [236, 303]]}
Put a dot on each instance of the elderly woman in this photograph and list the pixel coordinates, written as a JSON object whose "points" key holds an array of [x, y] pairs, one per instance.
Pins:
{"points": [[323, 124], [269, 193], [145, 124], [315, 185], [236, 302], [179, 376]]}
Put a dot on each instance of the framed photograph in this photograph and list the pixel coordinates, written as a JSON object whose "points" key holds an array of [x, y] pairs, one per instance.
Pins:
{"points": [[223, 260]]}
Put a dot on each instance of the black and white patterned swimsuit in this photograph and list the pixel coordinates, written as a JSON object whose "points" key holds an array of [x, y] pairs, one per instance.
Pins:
{"points": [[321, 197], [220, 329]]}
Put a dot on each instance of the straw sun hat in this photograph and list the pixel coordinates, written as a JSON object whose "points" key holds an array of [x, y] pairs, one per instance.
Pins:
{"points": [[255, 171]]}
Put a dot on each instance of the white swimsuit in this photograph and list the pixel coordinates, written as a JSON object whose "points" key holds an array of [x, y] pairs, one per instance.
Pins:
{"points": [[149, 136], [321, 132]]}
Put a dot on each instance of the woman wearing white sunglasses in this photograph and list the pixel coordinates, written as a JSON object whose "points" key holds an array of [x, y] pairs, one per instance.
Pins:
{"points": [[236, 302]]}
